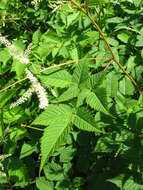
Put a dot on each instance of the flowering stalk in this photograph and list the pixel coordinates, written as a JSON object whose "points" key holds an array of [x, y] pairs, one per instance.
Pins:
{"points": [[36, 86], [39, 89], [56, 5], [4, 156], [14, 51], [27, 51], [35, 2], [23, 98]]}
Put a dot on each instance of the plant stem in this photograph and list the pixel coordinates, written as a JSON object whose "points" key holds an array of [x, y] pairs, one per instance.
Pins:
{"points": [[107, 44], [87, 5], [51, 67], [35, 128], [11, 85], [108, 65], [45, 69]]}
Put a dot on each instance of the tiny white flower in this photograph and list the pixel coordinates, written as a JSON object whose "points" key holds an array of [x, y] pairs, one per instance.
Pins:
{"points": [[18, 55], [4, 41], [39, 89], [27, 51], [4, 156], [35, 84], [35, 2], [23, 98], [2, 174], [14, 51]]}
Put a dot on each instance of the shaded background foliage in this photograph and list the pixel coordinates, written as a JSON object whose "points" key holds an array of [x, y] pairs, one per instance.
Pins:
{"points": [[111, 159]]}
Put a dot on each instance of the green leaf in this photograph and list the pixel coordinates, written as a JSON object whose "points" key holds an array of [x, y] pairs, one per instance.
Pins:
{"points": [[53, 135], [98, 2], [84, 121], [54, 172], [6, 96], [74, 54], [50, 37], [44, 49], [19, 68], [71, 18], [59, 79], [96, 79], [130, 184], [18, 172], [139, 42], [3, 180], [115, 20], [27, 149], [112, 42], [36, 36], [4, 56], [78, 182], [43, 184], [80, 74], [58, 118], [137, 2], [53, 113], [112, 84], [82, 96], [98, 101], [126, 87], [69, 94], [117, 181], [17, 134], [124, 37], [66, 155]]}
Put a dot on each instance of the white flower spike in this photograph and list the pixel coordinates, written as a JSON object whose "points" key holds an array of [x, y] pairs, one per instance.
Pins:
{"points": [[39, 89]]}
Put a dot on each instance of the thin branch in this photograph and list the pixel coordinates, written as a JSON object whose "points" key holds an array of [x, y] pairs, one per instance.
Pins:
{"points": [[30, 127], [55, 66], [51, 67], [42, 70], [87, 6], [135, 73], [108, 65], [107, 44], [11, 85], [92, 58]]}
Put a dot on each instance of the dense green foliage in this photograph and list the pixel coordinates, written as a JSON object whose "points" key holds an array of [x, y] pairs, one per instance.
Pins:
{"points": [[90, 135]]}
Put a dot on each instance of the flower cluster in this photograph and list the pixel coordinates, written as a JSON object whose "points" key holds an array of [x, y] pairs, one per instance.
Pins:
{"points": [[27, 51], [35, 84], [23, 98], [14, 51], [17, 55], [35, 2], [2, 158], [4, 41], [40, 91], [56, 5], [2, 173]]}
